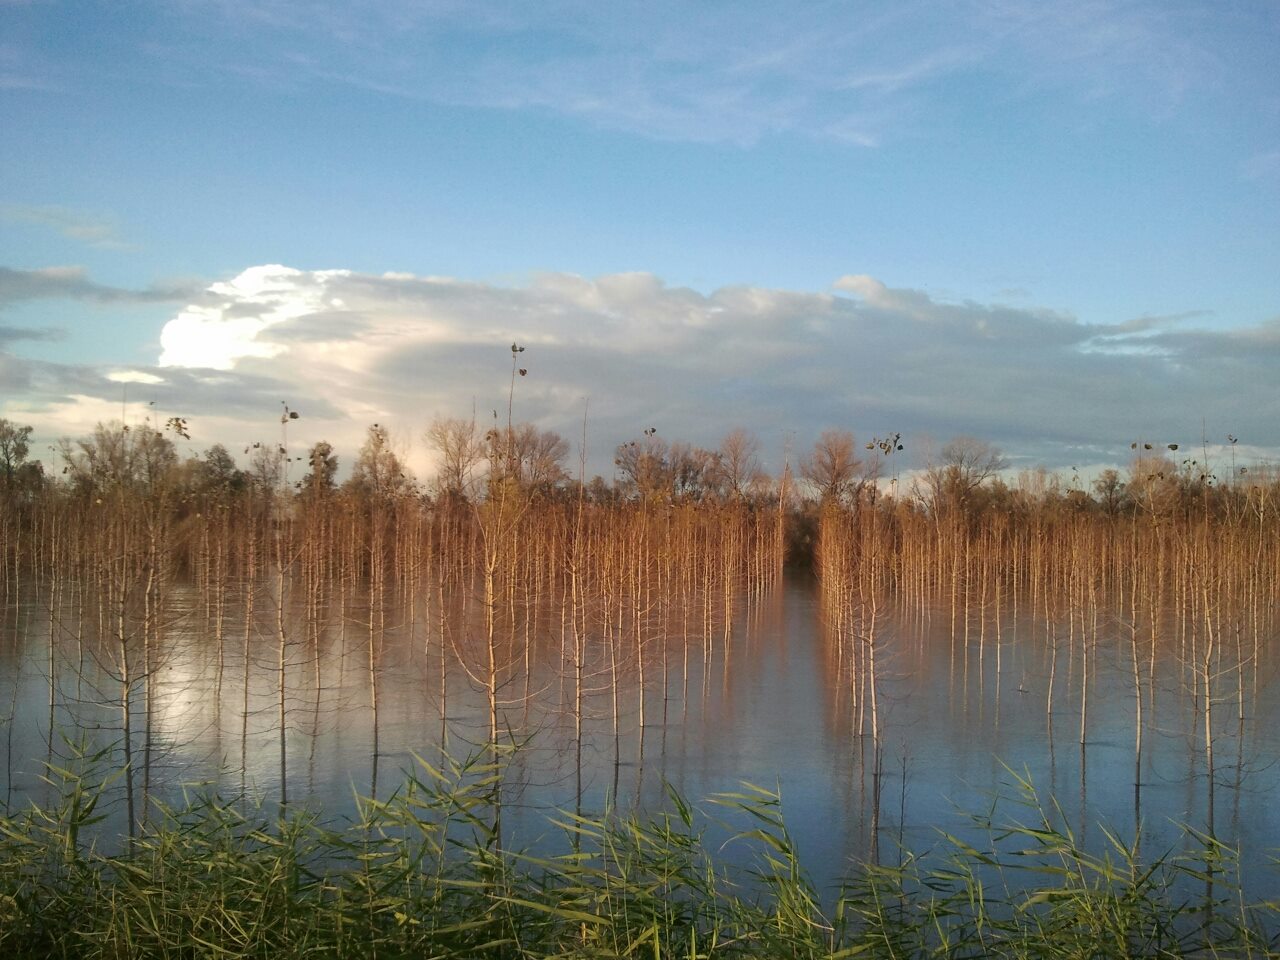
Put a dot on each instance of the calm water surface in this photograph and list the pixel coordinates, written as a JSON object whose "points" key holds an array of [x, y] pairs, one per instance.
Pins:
{"points": [[772, 705]]}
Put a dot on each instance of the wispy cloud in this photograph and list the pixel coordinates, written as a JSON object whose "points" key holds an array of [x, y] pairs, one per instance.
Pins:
{"points": [[1262, 166], [915, 72], [20, 69], [73, 283], [1153, 53], [10, 334], [89, 229], [732, 73]]}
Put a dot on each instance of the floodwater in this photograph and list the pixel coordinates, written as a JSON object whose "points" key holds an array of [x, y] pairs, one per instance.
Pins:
{"points": [[771, 701]]}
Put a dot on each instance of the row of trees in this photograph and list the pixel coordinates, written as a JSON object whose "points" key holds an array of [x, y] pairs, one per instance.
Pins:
{"points": [[968, 476]]}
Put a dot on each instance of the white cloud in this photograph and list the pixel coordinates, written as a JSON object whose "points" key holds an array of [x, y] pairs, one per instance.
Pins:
{"points": [[225, 330], [133, 376]]}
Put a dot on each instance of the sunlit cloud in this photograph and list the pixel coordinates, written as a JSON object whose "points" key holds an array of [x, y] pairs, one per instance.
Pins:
{"points": [[133, 376], [349, 349]]}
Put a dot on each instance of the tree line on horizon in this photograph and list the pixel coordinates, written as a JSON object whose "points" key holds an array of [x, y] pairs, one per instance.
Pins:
{"points": [[968, 474]]}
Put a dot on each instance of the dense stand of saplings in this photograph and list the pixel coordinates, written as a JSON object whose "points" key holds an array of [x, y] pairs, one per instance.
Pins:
{"points": [[642, 574]]}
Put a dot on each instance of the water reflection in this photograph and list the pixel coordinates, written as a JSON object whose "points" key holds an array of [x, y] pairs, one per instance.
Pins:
{"points": [[275, 691]]}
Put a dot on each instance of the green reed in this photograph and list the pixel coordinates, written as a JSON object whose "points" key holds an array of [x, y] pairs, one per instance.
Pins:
{"points": [[423, 874]]}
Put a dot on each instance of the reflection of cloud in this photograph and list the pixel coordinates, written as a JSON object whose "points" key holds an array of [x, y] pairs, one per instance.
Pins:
{"points": [[348, 349]]}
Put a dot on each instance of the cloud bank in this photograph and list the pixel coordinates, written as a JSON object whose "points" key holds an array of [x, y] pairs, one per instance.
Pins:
{"points": [[627, 351]]}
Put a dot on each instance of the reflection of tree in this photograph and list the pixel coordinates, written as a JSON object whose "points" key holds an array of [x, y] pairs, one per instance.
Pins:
{"points": [[126, 478]]}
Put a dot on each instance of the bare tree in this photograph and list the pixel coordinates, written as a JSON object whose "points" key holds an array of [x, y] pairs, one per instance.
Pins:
{"points": [[833, 466], [738, 462], [644, 465], [1110, 491], [539, 456], [1153, 484], [965, 464], [266, 466], [378, 471], [693, 472], [116, 455], [460, 450]]}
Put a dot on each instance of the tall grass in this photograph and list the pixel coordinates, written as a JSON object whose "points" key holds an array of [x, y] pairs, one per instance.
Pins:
{"points": [[420, 874]]}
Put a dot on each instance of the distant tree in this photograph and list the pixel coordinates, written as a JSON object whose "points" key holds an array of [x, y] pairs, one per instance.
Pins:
{"points": [[539, 457], [738, 463], [833, 466], [1154, 484], [322, 468], [117, 456], [378, 472], [1109, 490], [217, 471], [457, 442], [693, 473], [154, 457], [598, 490], [266, 466], [965, 464], [644, 466], [15, 443]]}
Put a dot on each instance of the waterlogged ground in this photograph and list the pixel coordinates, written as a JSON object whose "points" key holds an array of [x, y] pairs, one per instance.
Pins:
{"points": [[773, 704]]}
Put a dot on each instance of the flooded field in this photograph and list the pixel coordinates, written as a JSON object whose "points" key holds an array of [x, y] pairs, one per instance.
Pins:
{"points": [[883, 717]]}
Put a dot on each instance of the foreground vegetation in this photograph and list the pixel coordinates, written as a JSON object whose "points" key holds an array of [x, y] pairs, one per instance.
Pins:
{"points": [[423, 874]]}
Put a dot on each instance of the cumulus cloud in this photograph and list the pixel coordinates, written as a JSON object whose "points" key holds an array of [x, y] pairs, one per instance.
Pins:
{"points": [[348, 349]]}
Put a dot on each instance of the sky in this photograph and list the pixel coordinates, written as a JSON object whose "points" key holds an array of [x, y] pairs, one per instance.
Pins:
{"points": [[1052, 226]]}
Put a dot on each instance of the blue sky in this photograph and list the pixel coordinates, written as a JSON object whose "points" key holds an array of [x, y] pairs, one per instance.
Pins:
{"points": [[1012, 165]]}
